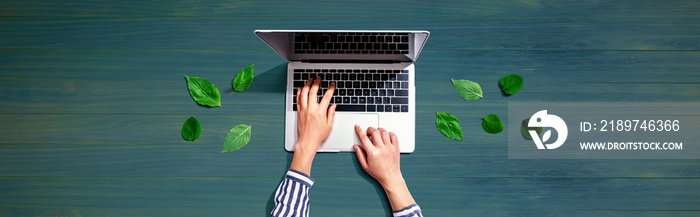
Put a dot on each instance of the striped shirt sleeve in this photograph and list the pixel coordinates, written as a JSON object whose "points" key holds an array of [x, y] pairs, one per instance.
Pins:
{"points": [[292, 196], [409, 211]]}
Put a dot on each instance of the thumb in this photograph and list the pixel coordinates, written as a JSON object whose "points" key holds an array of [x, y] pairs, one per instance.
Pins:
{"points": [[361, 156]]}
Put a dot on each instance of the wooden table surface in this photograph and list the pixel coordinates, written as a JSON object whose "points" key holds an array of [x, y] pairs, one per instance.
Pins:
{"points": [[93, 99]]}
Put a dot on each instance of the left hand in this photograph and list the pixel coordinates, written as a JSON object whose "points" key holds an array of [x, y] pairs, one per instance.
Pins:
{"points": [[314, 120]]}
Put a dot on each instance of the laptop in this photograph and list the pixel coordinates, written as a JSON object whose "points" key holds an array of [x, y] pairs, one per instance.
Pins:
{"points": [[374, 75]]}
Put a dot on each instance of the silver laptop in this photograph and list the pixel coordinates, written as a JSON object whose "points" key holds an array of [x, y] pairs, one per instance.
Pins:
{"points": [[374, 76]]}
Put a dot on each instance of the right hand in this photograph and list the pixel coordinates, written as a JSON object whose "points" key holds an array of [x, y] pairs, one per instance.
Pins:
{"points": [[380, 156]]}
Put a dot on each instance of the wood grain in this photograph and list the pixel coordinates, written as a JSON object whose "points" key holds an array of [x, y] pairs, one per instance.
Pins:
{"points": [[463, 33], [92, 98]]}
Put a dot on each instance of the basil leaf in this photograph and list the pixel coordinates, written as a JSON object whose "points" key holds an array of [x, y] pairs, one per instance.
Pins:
{"points": [[524, 129], [237, 137], [243, 79], [469, 90], [511, 84], [492, 124], [449, 125], [203, 92], [191, 129]]}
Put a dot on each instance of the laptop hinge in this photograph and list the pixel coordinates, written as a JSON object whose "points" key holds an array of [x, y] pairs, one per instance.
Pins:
{"points": [[348, 61]]}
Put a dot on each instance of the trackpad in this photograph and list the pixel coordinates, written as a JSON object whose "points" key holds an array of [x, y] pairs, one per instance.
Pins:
{"points": [[343, 135]]}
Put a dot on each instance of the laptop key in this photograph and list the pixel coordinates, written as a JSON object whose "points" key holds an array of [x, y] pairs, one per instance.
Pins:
{"points": [[362, 100], [402, 77], [338, 99], [387, 108], [377, 77], [390, 92], [340, 84], [360, 77], [404, 108], [329, 76], [294, 107], [346, 100], [350, 92], [324, 84], [344, 77], [350, 108], [374, 93], [372, 84], [380, 108], [356, 84], [370, 100], [297, 76], [304, 76], [404, 85], [378, 100], [353, 77], [387, 84], [353, 100], [397, 108], [365, 84], [380, 84], [399, 100], [358, 92], [387, 100], [397, 85], [342, 92], [371, 108], [382, 93], [401, 93], [299, 83], [365, 92]]}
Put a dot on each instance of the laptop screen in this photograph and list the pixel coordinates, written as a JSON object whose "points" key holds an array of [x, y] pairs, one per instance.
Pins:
{"points": [[300, 45]]}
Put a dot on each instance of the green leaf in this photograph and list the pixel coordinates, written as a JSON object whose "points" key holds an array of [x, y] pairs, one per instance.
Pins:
{"points": [[524, 129], [469, 90], [492, 124], [449, 126], [203, 92], [511, 84], [243, 79], [191, 129], [237, 137]]}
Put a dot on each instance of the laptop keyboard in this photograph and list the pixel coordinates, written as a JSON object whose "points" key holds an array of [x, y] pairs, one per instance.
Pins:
{"points": [[350, 43], [359, 90]]}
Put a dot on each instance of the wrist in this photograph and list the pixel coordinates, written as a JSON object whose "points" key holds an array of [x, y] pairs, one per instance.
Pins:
{"points": [[303, 159], [393, 184]]}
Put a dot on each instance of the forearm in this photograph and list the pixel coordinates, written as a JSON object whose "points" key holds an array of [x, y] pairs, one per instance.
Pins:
{"points": [[398, 194], [302, 160]]}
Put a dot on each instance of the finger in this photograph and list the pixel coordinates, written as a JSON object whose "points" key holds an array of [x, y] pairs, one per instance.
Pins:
{"points": [[366, 144], [361, 156], [313, 93], [376, 136], [305, 95], [331, 114], [385, 136], [394, 138], [298, 99], [327, 96]]}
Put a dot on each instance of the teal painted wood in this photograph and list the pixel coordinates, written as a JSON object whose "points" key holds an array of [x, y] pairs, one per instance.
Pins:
{"points": [[254, 193], [411, 8], [465, 33], [118, 81], [79, 138], [107, 129], [261, 160]]}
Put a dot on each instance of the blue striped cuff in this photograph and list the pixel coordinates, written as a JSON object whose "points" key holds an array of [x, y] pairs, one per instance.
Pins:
{"points": [[411, 210], [300, 177]]}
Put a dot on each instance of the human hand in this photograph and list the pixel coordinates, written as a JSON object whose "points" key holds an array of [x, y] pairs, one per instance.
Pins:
{"points": [[380, 156], [314, 120]]}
